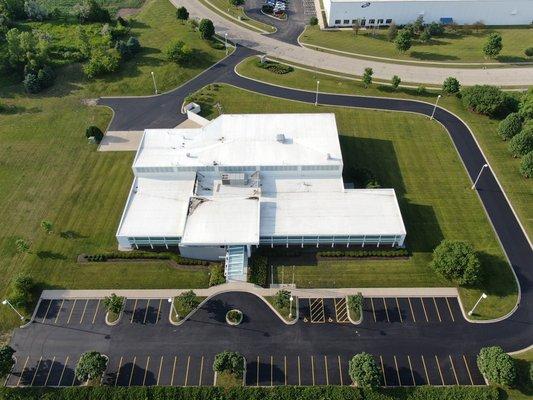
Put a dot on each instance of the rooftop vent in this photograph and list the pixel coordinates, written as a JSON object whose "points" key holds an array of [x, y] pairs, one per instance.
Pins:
{"points": [[280, 137]]}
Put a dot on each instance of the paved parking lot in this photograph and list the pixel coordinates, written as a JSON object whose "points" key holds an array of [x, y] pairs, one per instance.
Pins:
{"points": [[406, 310]]}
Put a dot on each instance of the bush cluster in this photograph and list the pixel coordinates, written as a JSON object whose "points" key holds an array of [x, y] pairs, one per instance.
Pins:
{"points": [[216, 275], [364, 253], [496, 365], [488, 100], [250, 393], [23, 288], [230, 362], [457, 261], [275, 67], [258, 270], [144, 255]]}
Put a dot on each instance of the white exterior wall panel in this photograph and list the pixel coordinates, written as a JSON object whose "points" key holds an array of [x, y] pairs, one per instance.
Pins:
{"points": [[490, 12]]}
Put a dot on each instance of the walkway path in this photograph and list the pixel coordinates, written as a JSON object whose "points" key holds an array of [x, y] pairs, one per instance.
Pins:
{"points": [[429, 75]]}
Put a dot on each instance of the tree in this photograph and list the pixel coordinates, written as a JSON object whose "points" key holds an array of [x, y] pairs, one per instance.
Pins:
{"points": [[451, 85], [47, 226], [496, 365], [182, 14], [114, 303], [179, 52], [403, 41], [22, 246], [493, 46], [85, 44], [392, 32], [31, 84], [355, 302], [457, 261], [367, 77], [418, 25], [364, 371], [282, 299], [355, 27], [435, 29], [487, 100], [526, 165], [478, 25], [529, 52], [91, 365], [94, 131], [230, 362], [207, 29], [133, 45], [526, 105], [395, 81], [313, 21], [6, 360], [35, 11], [13, 9], [510, 126], [522, 143], [425, 36], [188, 300], [91, 11], [236, 3], [23, 287], [102, 61]]}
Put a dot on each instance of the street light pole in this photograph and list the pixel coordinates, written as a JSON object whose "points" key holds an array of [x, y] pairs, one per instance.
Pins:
{"points": [[290, 312], [316, 96], [153, 79], [435, 107], [172, 308], [226, 42], [7, 303], [479, 175], [483, 296]]}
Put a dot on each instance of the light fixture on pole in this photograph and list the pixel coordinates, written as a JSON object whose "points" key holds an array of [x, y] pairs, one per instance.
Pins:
{"points": [[479, 175], [7, 303], [483, 296], [435, 107], [173, 309], [316, 96], [226, 42], [290, 309], [153, 79]]}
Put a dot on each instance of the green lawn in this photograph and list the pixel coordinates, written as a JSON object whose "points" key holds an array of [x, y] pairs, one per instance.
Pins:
{"points": [[417, 158], [48, 171], [452, 47], [112, 5], [181, 309], [284, 311], [524, 387], [518, 189], [238, 13]]}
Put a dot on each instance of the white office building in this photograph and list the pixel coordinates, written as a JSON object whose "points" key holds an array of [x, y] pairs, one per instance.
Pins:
{"points": [[383, 12], [241, 181]]}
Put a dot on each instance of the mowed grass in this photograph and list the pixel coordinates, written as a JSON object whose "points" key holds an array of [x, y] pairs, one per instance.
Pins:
{"points": [[451, 47], [49, 171], [112, 5], [518, 189], [416, 157]]}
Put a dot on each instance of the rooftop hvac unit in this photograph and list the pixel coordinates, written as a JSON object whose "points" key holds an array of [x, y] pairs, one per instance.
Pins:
{"points": [[234, 179], [280, 138]]}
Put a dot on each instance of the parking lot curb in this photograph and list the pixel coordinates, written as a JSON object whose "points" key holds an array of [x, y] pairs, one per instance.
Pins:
{"points": [[360, 320], [297, 305], [32, 318], [115, 322], [181, 321]]}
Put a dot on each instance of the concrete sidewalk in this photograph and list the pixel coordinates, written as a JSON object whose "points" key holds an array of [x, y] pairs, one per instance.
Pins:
{"points": [[504, 76], [251, 288]]}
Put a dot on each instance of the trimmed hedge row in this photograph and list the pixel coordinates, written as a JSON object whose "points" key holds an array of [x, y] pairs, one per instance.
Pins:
{"points": [[136, 255], [365, 253], [258, 270], [275, 67], [249, 393]]}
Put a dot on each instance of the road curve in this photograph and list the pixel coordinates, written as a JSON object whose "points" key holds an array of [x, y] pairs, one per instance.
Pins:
{"points": [[409, 73]]}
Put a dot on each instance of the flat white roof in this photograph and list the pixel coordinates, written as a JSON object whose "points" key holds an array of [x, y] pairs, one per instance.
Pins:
{"points": [[245, 140], [351, 212], [418, 1], [156, 208], [222, 221]]}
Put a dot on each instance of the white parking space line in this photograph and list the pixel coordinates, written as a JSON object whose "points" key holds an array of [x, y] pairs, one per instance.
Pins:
{"points": [[36, 369], [118, 370], [285, 368], [50, 370], [425, 370], [411, 307], [96, 311], [271, 371], [84, 309], [63, 371], [397, 371], [313, 368], [22, 371], [386, 310], [453, 369], [146, 311], [383, 371], [340, 369], [326, 369], [59, 311], [437, 308], [201, 371], [399, 311], [133, 312], [173, 371], [468, 370], [257, 372], [187, 372], [47, 309], [373, 310], [424, 308], [440, 371], [450, 309], [299, 373], [71, 310], [158, 310], [146, 369], [159, 372], [132, 369], [411, 368]]}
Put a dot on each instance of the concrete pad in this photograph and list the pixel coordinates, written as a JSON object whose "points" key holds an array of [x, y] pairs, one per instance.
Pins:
{"points": [[120, 141], [188, 124]]}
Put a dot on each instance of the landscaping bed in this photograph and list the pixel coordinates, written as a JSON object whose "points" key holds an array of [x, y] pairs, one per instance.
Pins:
{"points": [[183, 309], [285, 311], [141, 256]]}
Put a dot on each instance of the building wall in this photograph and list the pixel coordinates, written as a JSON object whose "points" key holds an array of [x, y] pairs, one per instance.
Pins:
{"points": [[211, 253], [490, 12]]}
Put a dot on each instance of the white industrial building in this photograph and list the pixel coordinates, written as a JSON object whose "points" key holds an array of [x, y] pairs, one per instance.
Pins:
{"points": [[384, 12], [241, 181]]}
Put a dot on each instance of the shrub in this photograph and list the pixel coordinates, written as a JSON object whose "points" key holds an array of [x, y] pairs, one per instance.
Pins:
{"points": [[91, 365], [268, 9], [188, 300], [457, 261], [22, 246], [133, 44], [522, 143], [101, 62], [230, 362], [367, 77], [493, 46], [487, 100], [403, 40], [236, 2], [529, 52], [364, 371], [114, 303], [496, 365], [35, 11], [313, 21], [258, 270], [526, 165], [206, 28], [6, 360], [526, 105], [355, 302], [395, 81], [392, 32], [510, 126], [451, 85], [435, 29], [94, 131], [425, 36], [282, 299], [274, 67], [31, 84], [91, 11], [216, 275], [421, 90], [182, 14], [179, 52]]}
